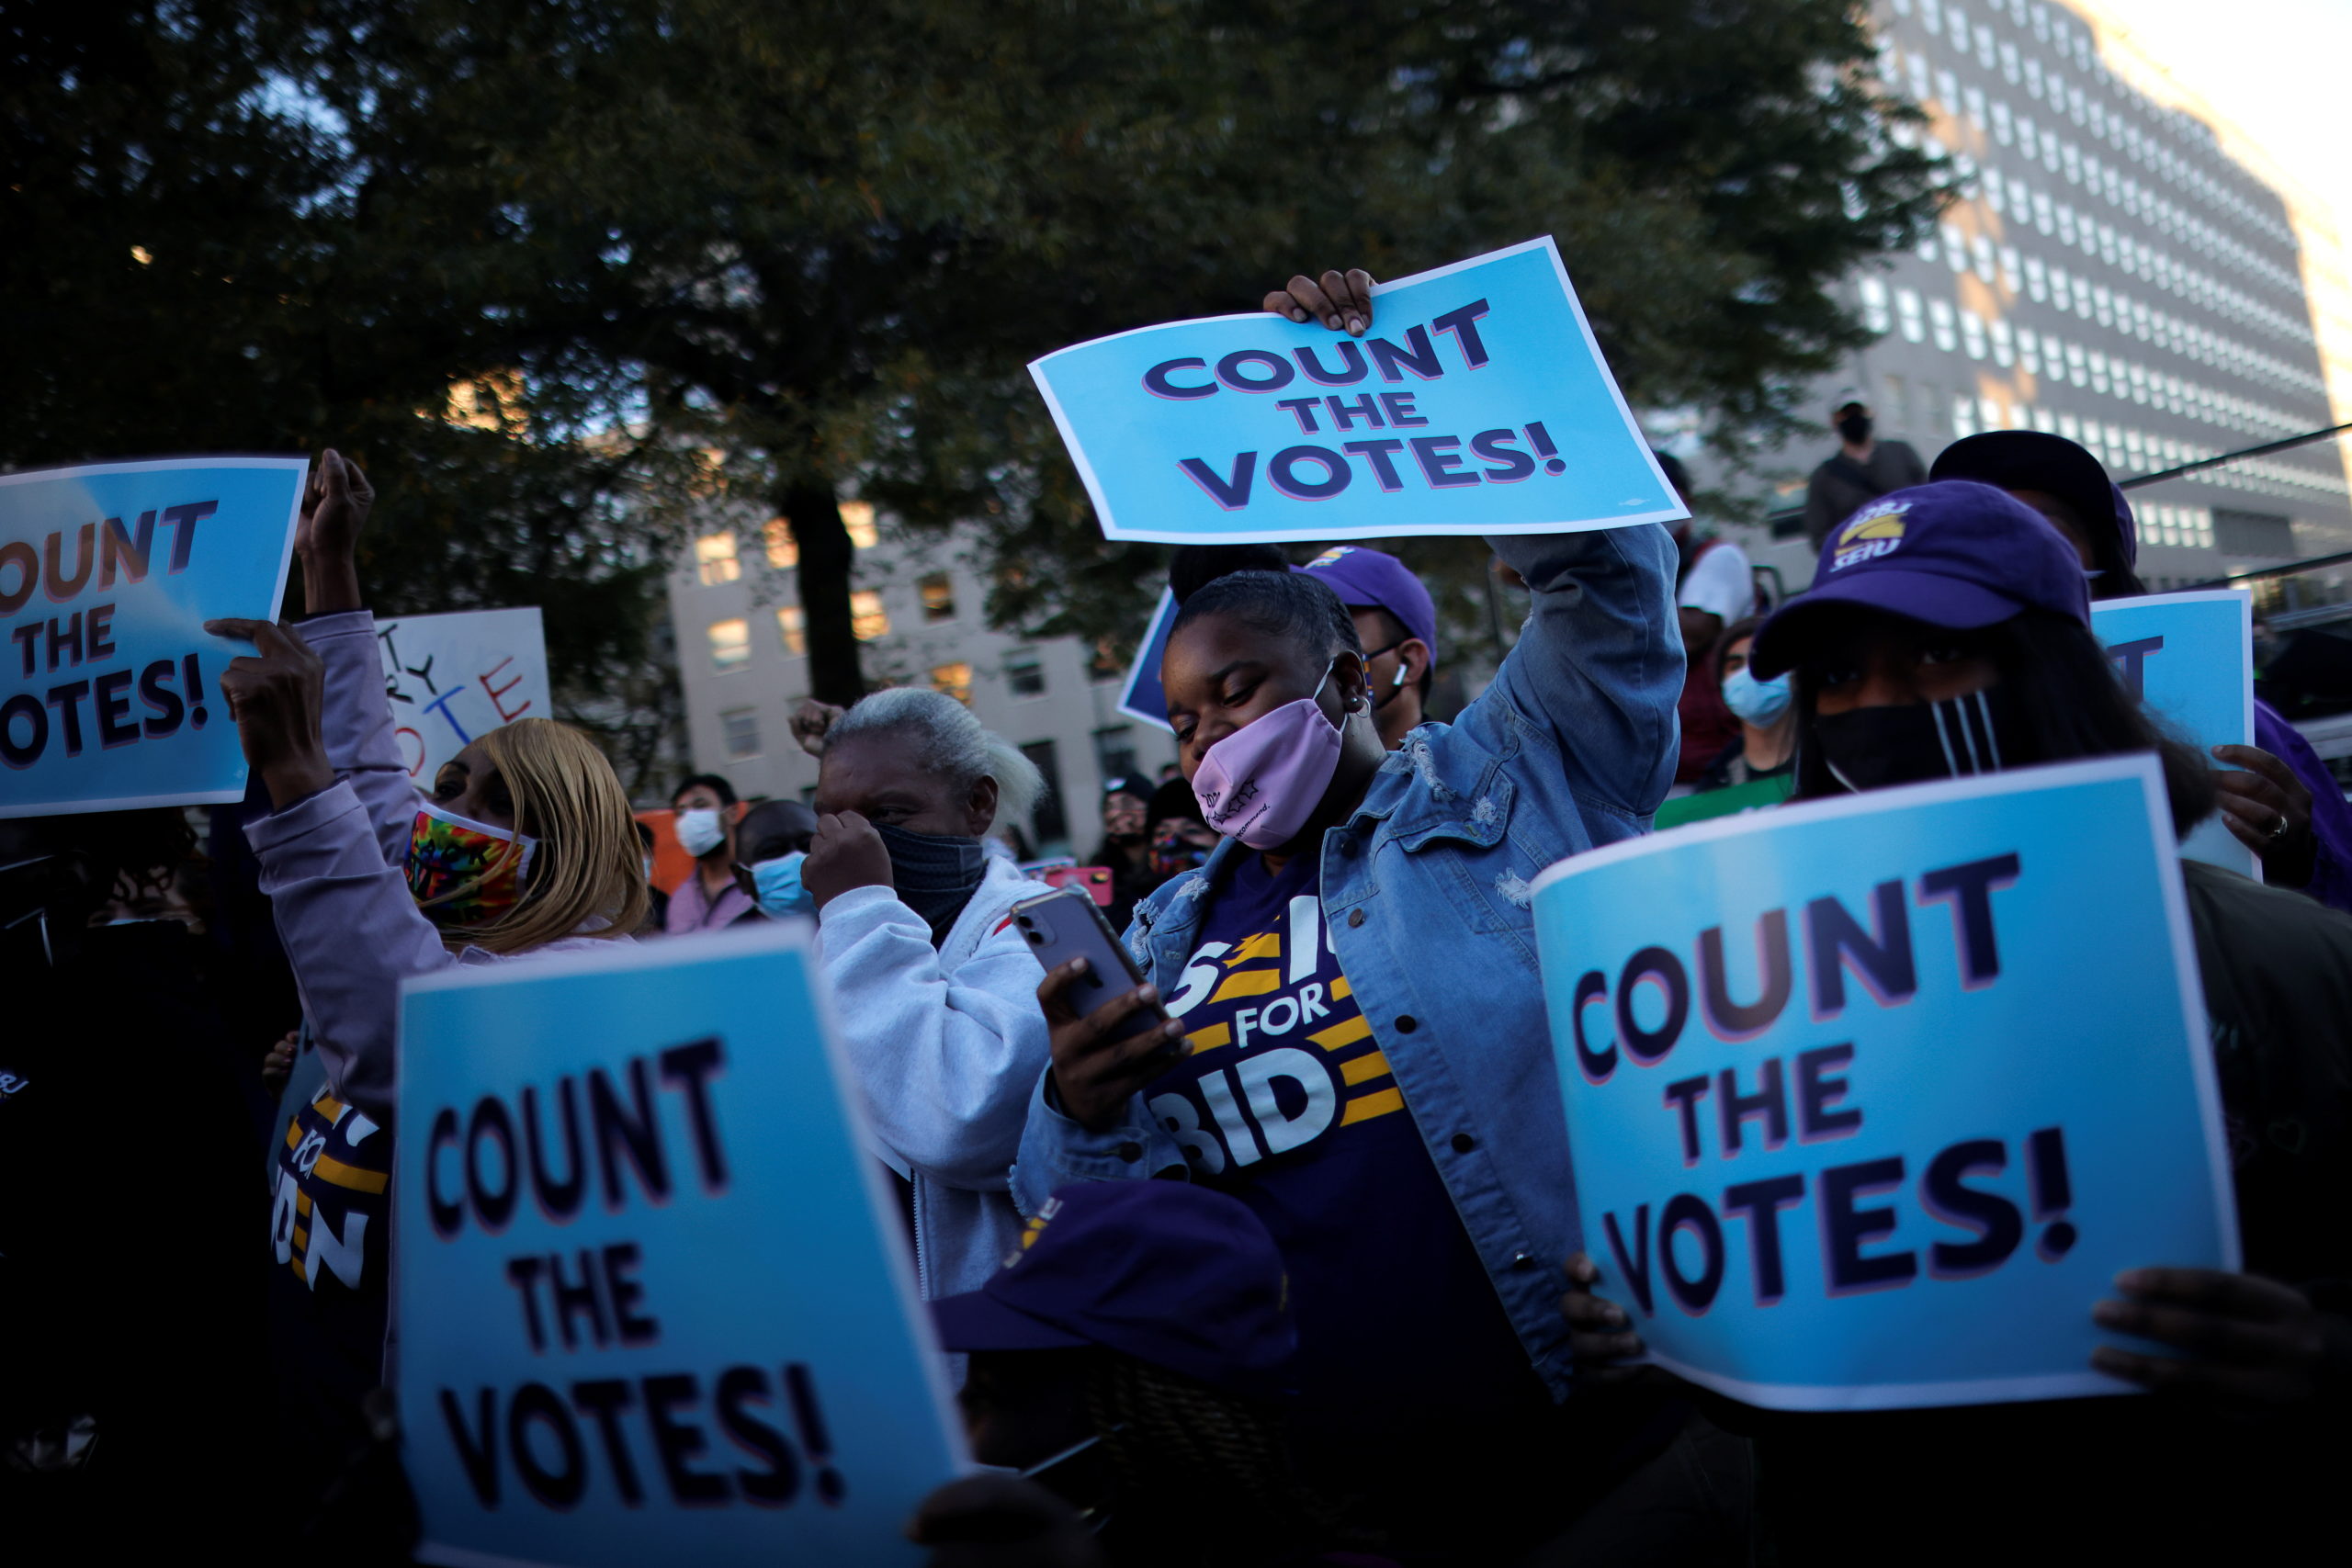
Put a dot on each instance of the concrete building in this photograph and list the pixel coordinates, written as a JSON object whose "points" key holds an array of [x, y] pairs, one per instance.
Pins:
{"points": [[735, 604], [2110, 274]]}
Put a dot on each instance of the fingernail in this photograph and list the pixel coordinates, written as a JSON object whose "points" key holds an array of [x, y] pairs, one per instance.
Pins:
{"points": [[2108, 1313], [2131, 1280], [1616, 1317], [1148, 993], [1355, 326]]}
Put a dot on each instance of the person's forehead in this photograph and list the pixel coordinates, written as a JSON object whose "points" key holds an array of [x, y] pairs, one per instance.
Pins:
{"points": [[1738, 648], [1202, 648], [700, 795]]}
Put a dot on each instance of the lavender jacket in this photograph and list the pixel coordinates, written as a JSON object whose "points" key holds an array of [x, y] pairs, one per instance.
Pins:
{"points": [[334, 866]]}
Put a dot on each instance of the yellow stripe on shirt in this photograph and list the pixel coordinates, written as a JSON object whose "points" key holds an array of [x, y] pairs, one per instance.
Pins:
{"points": [[1209, 1039], [1340, 990], [1364, 1106], [351, 1175], [1247, 983], [1374, 1065], [1347, 1032]]}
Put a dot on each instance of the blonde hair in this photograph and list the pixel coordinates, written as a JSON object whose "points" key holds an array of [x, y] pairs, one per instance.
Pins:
{"points": [[588, 875]]}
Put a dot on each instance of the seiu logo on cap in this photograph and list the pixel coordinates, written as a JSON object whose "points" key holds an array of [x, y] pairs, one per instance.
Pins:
{"points": [[1335, 553], [1874, 531]]}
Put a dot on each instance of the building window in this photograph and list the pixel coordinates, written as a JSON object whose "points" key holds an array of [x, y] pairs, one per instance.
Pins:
{"points": [[1024, 672], [956, 680], [1980, 251], [938, 591], [1114, 758], [715, 555], [1906, 308], [867, 619], [857, 517], [2002, 355], [2012, 272], [784, 550], [792, 628], [1946, 335], [1955, 248], [1048, 819], [740, 729], [730, 645], [1874, 311], [2028, 351], [1964, 416], [1972, 333]]}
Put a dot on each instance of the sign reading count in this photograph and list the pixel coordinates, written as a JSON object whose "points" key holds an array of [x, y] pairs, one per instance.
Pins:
{"points": [[1479, 404]]}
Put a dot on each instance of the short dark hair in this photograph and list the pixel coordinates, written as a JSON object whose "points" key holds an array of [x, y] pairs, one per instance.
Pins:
{"points": [[712, 782], [1193, 566], [2069, 704], [1294, 605]]}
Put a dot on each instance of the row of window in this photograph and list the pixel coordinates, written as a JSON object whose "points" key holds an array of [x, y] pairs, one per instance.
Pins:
{"points": [[2108, 123], [716, 557], [2045, 354], [2084, 168], [2053, 285], [2123, 451]]}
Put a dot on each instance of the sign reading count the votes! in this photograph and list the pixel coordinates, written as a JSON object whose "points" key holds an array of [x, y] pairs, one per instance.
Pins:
{"points": [[1477, 403], [1870, 1100], [652, 1300], [109, 684]]}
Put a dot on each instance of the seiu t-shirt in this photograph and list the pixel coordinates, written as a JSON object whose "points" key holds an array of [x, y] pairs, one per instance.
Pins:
{"points": [[1287, 1103]]}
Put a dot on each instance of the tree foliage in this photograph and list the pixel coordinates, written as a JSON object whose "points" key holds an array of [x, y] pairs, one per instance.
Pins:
{"points": [[625, 252]]}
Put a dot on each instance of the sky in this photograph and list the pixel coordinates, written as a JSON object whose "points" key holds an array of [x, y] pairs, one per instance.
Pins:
{"points": [[2273, 71]]}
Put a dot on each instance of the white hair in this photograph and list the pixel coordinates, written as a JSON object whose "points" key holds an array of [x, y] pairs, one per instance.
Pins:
{"points": [[948, 740]]}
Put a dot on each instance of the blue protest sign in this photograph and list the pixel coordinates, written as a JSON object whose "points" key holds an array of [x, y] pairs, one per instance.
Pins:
{"points": [[1477, 405], [1143, 697], [2189, 656], [107, 573], [1870, 1099], [652, 1301]]}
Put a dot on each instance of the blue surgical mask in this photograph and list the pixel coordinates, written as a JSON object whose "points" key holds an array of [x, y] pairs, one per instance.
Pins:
{"points": [[779, 892], [1759, 703]]}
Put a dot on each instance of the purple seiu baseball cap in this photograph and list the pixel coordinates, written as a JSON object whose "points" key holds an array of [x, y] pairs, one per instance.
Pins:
{"points": [[1373, 579], [1164, 1271], [2036, 459], [1954, 554]]}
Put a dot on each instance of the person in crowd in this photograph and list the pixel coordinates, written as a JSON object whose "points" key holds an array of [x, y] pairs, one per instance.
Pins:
{"points": [[932, 984], [1129, 1360], [657, 908], [1181, 838], [773, 840], [525, 844], [1356, 966], [2278, 797], [712, 899], [1862, 470], [1762, 754], [1124, 849], [135, 1396], [1714, 587], [1397, 621], [1967, 649]]}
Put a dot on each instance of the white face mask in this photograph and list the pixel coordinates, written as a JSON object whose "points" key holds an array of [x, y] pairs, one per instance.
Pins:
{"points": [[700, 831]]}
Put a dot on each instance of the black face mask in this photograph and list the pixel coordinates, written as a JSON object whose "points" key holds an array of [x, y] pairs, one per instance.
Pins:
{"points": [[1878, 747], [1855, 428], [934, 874]]}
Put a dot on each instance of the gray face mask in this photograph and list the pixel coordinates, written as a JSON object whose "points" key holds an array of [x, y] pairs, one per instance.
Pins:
{"points": [[934, 874]]}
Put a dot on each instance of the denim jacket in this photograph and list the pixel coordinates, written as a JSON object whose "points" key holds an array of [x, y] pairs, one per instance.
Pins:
{"points": [[1426, 901]]}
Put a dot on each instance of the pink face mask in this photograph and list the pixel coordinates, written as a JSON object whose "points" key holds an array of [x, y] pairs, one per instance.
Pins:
{"points": [[1261, 783]]}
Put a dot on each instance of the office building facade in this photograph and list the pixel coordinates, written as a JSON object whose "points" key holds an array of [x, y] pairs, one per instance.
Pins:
{"points": [[2110, 273], [742, 663]]}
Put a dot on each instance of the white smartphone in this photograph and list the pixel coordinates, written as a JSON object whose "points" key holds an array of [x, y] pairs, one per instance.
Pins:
{"points": [[1066, 923]]}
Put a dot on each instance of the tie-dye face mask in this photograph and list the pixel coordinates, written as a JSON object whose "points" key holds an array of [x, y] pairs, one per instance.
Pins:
{"points": [[463, 873]]}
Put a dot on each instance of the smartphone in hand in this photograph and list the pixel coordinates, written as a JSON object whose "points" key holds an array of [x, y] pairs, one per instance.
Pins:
{"points": [[1066, 923]]}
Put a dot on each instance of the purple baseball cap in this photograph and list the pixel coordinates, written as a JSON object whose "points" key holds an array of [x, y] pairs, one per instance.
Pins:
{"points": [[1953, 553], [2035, 459], [1165, 1271], [1373, 579]]}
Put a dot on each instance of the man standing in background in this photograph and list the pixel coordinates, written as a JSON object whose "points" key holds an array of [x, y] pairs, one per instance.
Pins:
{"points": [[1862, 469], [710, 898]]}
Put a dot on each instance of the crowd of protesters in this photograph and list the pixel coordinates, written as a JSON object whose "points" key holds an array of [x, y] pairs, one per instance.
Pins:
{"points": [[1377, 1338]]}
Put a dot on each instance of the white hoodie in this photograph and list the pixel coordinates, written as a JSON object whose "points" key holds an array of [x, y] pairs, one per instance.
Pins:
{"points": [[947, 1044]]}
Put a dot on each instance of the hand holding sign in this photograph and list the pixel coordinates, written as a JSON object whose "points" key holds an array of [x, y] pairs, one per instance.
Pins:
{"points": [[2266, 808], [335, 508], [275, 697], [2249, 1342], [1343, 301]]}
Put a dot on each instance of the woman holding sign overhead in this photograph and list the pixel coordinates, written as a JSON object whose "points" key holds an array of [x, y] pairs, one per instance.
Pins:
{"points": [[1947, 633], [525, 844], [1355, 1042]]}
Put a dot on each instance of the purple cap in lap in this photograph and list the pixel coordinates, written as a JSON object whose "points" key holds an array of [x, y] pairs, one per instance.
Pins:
{"points": [[1165, 1271], [1952, 554], [1373, 579]]}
